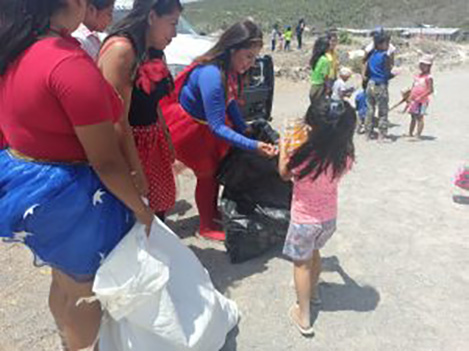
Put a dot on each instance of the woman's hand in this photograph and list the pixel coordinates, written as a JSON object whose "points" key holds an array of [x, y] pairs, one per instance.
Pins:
{"points": [[267, 150], [140, 182], [146, 217]]}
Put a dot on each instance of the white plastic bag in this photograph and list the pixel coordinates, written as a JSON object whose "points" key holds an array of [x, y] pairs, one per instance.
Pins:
{"points": [[156, 295]]}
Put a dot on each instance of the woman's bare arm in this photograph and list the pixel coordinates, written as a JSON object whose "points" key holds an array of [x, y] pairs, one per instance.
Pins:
{"points": [[116, 64]]}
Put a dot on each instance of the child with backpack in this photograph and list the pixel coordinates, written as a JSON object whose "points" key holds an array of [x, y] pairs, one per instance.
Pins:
{"points": [[315, 154]]}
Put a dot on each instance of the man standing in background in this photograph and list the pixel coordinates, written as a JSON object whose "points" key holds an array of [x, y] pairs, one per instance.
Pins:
{"points": [[299, 32]]}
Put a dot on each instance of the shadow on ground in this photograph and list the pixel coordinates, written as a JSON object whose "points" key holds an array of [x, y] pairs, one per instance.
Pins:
{"points": [[184, 228], [227, 275], [461, 199], [423, 138], [181, 207], [348, 296]]}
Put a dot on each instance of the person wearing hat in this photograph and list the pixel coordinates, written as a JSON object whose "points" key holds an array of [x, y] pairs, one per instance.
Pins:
{"points": [[420, 93], [341, 89]]}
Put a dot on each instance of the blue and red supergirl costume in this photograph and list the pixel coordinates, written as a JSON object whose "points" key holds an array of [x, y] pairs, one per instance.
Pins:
{"points": [[204, 120], [152, 83], [50, 197]]}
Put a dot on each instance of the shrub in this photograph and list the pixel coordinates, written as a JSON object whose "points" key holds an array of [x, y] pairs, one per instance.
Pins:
{"points": [[344, 38]]}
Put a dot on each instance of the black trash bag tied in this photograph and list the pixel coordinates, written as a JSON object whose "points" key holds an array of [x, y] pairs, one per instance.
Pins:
{"points": [[255, 202]]}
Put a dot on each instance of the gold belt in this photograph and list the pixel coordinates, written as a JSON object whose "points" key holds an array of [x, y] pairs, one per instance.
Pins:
{"points": [[19, 155], [200, 121]]}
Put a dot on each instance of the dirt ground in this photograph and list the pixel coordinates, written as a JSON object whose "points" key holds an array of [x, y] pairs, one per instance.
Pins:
{"points": [[395, 274]]}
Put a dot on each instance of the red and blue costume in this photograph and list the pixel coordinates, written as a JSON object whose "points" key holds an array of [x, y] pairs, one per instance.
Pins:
{"points": [[204, 120]]}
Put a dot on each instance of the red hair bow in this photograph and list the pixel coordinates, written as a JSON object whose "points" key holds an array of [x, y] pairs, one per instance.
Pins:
{"points": [[150, 73]]}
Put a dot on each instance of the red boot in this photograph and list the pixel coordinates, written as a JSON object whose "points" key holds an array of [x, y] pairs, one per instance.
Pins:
{"points": [[206, 198]]}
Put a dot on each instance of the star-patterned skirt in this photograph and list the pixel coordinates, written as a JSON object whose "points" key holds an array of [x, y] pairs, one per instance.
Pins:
{"points": [[62, 212]]}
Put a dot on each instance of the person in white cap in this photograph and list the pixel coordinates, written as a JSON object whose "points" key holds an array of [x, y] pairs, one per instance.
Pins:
{"points": [[420, 94], [341, 89]]}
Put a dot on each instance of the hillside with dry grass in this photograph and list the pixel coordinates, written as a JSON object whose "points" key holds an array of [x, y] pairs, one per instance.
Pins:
{"points": [[211, 15]]}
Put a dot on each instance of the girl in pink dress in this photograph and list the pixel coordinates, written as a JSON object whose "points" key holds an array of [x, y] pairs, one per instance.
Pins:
{"points": [[315, 156], [420, 95]]}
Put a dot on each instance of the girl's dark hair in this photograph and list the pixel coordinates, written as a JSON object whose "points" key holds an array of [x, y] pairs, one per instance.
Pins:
{"points": [[241, 35], [321, 46], [134, 25], [381, 38], [21, 24], [102, 4], [330, 141]]}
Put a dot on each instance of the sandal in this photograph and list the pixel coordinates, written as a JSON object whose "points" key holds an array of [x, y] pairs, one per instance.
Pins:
{"points": [[304, 331], [316, 301]]}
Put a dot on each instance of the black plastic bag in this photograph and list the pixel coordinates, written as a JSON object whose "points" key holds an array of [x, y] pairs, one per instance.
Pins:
{"points": [[255, 202]]}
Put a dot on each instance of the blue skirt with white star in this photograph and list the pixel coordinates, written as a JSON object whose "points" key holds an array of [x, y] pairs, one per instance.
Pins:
{"points": [[62, 212]]}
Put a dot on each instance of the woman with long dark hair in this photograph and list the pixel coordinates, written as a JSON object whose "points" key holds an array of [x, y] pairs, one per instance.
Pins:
{"points": [[65, 188], [320, 70], [204, 118], [132, 60]]}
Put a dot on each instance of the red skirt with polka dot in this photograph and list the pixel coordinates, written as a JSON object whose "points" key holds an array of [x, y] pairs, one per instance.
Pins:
{"points": [[157, 161]]}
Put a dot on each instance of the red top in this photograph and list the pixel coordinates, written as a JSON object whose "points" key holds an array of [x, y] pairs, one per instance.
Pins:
{"points": [[52, 87]]}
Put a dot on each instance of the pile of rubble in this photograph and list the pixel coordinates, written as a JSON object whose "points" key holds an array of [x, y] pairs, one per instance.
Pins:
{"points": [[294, 65]]}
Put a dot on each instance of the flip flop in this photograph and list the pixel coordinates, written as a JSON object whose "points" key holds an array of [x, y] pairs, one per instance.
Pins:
{"points": [[316, 301], [304, 331]]}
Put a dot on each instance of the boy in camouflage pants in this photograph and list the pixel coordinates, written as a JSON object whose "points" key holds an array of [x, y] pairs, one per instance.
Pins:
{"points": [[378, 73]]}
